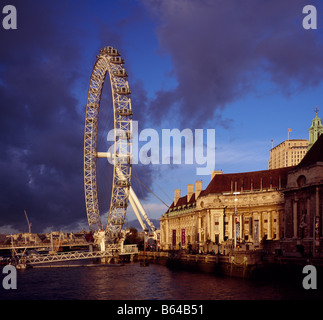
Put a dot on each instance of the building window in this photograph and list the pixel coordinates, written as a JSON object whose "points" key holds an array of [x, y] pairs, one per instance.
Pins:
{"points": [[246, 226], [226, 226], [301, 181], [216, 224]]}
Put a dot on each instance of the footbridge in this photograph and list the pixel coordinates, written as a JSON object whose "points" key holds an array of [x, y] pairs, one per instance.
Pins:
{"points": [[113, 251]]}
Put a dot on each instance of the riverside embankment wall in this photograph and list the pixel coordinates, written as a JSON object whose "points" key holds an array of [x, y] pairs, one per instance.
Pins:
{"points": [[244, 264]]}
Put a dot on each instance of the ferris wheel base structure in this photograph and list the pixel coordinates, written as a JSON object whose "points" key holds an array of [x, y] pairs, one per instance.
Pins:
{"points": [[109, 62], [133, 199]]}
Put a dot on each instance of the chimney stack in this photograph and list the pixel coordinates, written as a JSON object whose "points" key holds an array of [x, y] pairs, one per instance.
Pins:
{"points": [[214, 173], [190, 191], [198, 188], [177, 195]]}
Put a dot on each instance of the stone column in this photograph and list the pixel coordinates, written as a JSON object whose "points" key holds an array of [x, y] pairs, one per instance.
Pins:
{"points": [[167, 234], [162, 232], [242, 227], [251, 226], [180, 231], [308, 217], [277, 225], [209, 224], [317, 204], [212, 236], [285, 217], [269, 225], [199, 228], [260, 226], [221, 227], [295, 219], [231, 225]]}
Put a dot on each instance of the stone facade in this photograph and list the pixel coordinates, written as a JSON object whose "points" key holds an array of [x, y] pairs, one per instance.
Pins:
{"points": [[243, 208], [288, 153], [282, 205], [303, 195]]}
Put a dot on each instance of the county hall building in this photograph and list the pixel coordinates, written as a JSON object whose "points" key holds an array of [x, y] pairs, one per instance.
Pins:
{"points": [[282, 206]]}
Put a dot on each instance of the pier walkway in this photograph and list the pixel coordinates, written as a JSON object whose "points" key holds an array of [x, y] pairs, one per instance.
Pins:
{"points": [[112, 251], [65, 256]]}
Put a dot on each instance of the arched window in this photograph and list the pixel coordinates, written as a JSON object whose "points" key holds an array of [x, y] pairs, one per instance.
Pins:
{"points": [[301, 181]]}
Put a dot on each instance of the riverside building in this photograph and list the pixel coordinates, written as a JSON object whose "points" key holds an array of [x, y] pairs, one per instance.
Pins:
{"points": [[303, 213], [234, 209], [282, 208]]}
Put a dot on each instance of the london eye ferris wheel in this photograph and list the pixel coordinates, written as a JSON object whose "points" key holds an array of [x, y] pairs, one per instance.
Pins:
{"points": [[109, 63]]}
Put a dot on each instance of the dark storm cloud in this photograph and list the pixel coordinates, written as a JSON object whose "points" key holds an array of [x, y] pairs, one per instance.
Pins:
{"points": [[41, 126], [44, 73], [222, 49]]}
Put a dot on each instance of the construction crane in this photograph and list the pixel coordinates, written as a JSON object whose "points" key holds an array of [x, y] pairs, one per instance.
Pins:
{"points": [[29, 224]]}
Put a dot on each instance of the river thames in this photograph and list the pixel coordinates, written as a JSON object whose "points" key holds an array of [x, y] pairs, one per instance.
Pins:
{"points": [[134, 282]]}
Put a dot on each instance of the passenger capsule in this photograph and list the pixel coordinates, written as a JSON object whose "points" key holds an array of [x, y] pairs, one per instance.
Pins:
{"points": [[124, 112], [122, 184], [110, 51], [123, 90], [120, 204], [117, 60], [116, 221], [121, 73]]}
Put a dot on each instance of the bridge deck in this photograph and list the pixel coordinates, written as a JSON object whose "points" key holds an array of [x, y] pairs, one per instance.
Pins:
{"points": [[66, 256], [112, 250]]}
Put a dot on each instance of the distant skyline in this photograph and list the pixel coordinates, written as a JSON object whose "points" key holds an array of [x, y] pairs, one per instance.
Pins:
{"points": [[249, 70]]}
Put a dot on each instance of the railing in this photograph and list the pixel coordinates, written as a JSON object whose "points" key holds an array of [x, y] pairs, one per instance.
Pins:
{"points": [[66, 256], [111, 250], [130, 249], [181, 211]]}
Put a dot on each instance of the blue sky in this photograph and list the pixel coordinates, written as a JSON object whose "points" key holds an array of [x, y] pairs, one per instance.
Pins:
{"points": [[247, 69]]}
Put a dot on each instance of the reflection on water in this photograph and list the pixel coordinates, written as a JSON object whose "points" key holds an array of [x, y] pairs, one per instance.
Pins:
{"points": [[133, 282]]}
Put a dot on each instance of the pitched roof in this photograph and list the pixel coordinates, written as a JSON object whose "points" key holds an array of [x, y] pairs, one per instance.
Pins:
{"points": [[255, 180], [315, 154]]}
